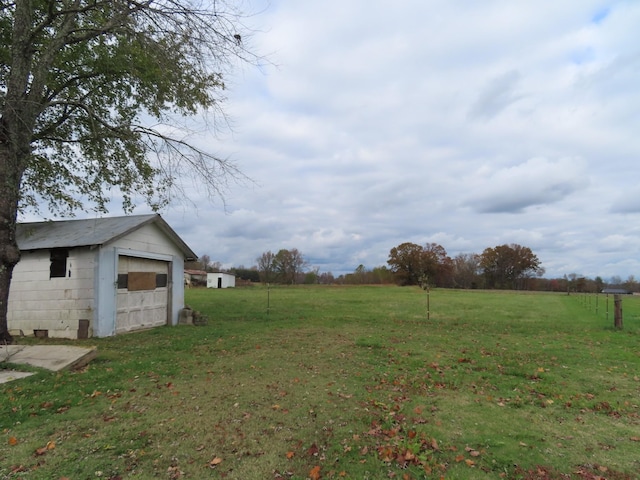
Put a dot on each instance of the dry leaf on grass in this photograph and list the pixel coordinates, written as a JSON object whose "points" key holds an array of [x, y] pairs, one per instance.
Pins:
{"points": [[314, 474]]}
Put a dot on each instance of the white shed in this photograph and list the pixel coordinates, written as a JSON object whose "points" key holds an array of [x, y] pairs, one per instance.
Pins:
{"points": [[97, 277], [220, 280]]}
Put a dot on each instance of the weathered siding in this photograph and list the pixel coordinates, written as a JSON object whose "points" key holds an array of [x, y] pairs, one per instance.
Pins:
{"points": [[37, 302], [148, 238]]}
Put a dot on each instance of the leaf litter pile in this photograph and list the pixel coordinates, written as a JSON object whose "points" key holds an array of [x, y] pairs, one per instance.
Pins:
{"points": [[394, 397]]}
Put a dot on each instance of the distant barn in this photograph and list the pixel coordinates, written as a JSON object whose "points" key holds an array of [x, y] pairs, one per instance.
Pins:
{"points": [[194, 278], [617, 291], [221, 280]]}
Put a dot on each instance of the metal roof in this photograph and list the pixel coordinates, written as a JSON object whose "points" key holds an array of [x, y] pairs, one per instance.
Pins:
{"points": [[90, 232]]}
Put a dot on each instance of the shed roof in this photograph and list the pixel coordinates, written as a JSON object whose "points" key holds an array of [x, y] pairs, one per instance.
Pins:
{"points": [[91, 232], [622, 291]]}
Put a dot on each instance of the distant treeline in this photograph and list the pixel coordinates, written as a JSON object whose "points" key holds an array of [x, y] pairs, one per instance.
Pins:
{"points": [[501, 267]]}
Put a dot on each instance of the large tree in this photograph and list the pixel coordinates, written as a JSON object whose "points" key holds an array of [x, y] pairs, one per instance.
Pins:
{"points": [[506, 266], [411, 263], [90, 88], [287, 265], [266, 267]]}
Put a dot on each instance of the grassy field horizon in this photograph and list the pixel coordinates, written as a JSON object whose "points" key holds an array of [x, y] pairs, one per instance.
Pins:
{"points": [[348, 382]]}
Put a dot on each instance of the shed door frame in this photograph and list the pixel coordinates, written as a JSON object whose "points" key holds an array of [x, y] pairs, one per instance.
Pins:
{"points": [[147, 256]]}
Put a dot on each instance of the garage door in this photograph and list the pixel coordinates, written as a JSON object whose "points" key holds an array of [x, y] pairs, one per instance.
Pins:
{"points": [[143, 293]]}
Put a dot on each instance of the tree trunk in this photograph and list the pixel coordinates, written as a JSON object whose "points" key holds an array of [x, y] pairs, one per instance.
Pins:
{"points": [[17, 121], [9, 251]]}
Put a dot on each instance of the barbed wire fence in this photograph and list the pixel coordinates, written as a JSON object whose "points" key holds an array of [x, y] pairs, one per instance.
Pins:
{"points": [[607, 306]]}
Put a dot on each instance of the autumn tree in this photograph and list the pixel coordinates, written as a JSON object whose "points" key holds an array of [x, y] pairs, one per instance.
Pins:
{"points": [[439, 266], [91, 93], [326, 278], [405, 261], [205, 262], [266, 267], [466, 270], [410, 262], [288, 264], [507, 266]]}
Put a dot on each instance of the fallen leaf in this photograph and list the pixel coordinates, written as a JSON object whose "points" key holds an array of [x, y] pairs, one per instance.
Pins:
{"points": [[434, 444], [13, 441], [290, 455], [216, 461], [314, 474], [40, 451], [312, 450]]}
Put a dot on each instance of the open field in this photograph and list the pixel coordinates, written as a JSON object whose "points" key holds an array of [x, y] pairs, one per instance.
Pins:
{"points": [[344, 383]]}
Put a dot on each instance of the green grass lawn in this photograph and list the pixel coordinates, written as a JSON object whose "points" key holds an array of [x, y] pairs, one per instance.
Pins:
{"points": [[344, 383]]}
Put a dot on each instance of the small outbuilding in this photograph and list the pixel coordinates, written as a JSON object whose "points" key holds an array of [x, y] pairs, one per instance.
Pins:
{"points": [[220, 280], [617, 291], [97, 277], [194, 278]]}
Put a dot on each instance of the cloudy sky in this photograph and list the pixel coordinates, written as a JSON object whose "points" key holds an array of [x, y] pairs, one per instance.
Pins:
{"points": [[468, 124]]}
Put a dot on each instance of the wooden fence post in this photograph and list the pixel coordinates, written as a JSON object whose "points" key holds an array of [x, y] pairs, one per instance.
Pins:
{"points": [[617, 312]]}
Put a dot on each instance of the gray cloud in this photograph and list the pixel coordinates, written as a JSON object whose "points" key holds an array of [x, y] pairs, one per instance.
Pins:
{"points": [[534, 183], [497, 95]]}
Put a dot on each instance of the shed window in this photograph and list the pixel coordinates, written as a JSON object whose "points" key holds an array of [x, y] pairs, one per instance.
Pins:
{"points": [[123, 280], [58, 267], [161, 280]]}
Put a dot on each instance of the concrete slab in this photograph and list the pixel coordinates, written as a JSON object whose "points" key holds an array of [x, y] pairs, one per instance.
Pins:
{"points": [[9, 375], [51, 357]]}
